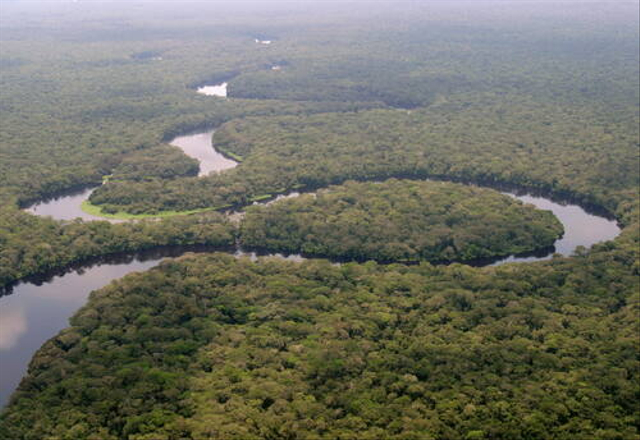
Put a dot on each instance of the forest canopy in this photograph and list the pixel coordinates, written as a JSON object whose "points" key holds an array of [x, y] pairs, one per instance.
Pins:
{"points": [[212, 347], [544, 146], [400, 220], [526, 94]]}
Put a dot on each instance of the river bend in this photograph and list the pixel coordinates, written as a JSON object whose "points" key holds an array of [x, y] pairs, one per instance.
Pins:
{"points": [[37, 311]]}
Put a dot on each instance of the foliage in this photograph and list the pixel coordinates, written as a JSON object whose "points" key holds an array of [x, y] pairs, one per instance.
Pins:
{"points": [[211, 347], [215, 347], [160, 162], [558, 150], [59, 244], [400, 220]]}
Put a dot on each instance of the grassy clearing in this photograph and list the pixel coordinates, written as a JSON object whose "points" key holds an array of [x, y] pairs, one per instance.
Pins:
{"points": [[92, 209], [230, 154], [260, 197], [97, 211]]}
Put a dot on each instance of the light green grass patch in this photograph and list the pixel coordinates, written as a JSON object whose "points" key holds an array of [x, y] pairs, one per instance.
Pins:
{"points": [[260, 197], [230, 154], [92, 209]]}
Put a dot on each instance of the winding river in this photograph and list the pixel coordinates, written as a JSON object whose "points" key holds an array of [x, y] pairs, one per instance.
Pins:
{"points": [[38, 310], [199, 146], [65, 206], [582, 228]]}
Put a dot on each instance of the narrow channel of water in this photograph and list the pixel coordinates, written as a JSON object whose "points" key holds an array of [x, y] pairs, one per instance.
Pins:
{"points": [[199, 146], [64, 206], [581, 227], [37, 311], [67, 205]]}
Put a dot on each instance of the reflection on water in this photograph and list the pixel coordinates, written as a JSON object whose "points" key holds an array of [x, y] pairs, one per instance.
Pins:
{"points": [[65, 206], [37, 313], [199, 146], [38, 310], [13, 324], [580, 228], [253, 255]]}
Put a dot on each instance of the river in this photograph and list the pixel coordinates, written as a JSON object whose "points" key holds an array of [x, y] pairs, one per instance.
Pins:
{"points": [[37, 311], [67, 205], [199, 146], [214, 90], [581, 228]]}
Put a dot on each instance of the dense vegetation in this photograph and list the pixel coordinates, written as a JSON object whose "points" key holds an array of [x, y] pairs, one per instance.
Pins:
{"points": [[212, 347], [162, 162], [544, 98], [60, 244], [79, 102], [528, 144], [400, 220]]}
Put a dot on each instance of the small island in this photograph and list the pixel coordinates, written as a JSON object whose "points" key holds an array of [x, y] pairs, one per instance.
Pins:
{"points": [[401, 220]]}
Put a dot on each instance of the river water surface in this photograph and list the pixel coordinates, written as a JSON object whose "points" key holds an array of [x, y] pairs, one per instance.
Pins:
{"points": [[214, 90], [580, 228], [199, 146], [65, 206], [35, 312]]}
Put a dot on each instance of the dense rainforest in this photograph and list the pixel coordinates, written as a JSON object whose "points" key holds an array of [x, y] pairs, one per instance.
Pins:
{"points": [[520, 95], [399, 220], [545, 146], [212, 347], [63, 244]]}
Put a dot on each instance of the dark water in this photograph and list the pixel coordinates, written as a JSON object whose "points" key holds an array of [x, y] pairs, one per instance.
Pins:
{"points": [[580, 228], [33, 314], [37, 311]]}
